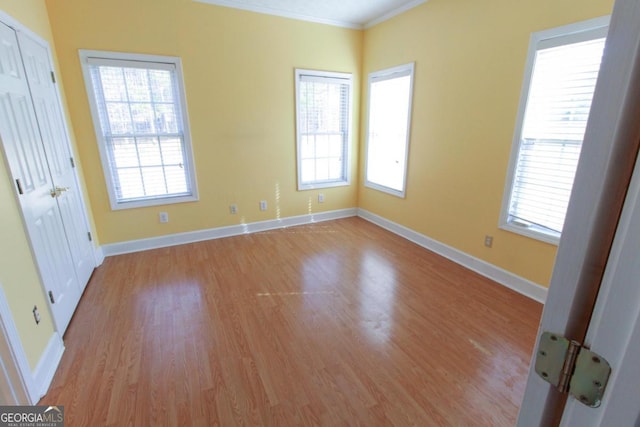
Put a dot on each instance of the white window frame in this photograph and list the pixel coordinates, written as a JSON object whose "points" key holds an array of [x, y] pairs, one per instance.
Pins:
{"points": [[129, 59], [381, 75], [567, 34], [342, 78]]}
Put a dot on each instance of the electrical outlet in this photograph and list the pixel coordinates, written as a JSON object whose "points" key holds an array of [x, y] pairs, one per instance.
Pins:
{"points": [[488, 241], [36, 314], [233, 209], [263, 205], [321, 198], [164, 217]]}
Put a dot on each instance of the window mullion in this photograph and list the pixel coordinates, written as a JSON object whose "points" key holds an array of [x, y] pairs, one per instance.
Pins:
{"points": [[133, 129], [135, 156], [556, 97], [322, 116]]}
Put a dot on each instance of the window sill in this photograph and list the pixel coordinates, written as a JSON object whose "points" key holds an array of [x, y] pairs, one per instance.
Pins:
{"points": [[382, 188], [315, 186], [116, 206], [531, 232]]}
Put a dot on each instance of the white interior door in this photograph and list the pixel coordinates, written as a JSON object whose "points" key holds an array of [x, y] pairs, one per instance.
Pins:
{"points": [[602, 182], [54, 137], [27, 162], [614, 330]]}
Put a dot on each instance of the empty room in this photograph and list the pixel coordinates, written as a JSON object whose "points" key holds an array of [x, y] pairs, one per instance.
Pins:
{"points": [[242, 212]]}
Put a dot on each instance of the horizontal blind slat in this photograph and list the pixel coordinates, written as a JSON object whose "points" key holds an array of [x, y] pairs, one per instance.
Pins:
{"points": [[556, 115]]}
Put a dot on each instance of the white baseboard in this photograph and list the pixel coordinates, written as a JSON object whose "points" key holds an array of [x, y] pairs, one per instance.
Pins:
{"points": [[220, 232], [47, 365], [497, 274], [98, 255]]}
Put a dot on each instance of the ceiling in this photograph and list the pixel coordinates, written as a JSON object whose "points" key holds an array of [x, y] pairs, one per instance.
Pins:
{"points": [[343, 13]]}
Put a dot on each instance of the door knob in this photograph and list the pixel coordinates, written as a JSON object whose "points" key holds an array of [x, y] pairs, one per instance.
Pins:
{"points": [[57, 192]]}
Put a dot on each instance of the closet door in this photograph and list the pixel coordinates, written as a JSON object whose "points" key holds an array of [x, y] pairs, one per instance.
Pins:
{"points": [[34, 186], [56, 145]]}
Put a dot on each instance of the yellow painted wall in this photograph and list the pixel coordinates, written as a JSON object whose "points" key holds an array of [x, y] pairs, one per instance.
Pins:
{"points": [[18, 274], [470, 58], [239, 79]]}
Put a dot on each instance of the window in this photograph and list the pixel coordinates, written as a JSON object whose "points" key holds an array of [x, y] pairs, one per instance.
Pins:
{"points": [[390, 95], [139, 113], [560, 79], [323, 102]]}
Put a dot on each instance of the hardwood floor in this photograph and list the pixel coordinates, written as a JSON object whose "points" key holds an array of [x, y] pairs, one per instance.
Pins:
{"points": [[336, 323]]}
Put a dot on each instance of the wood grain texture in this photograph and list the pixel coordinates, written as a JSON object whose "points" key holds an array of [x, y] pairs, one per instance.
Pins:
{"points": [[336, 323]]}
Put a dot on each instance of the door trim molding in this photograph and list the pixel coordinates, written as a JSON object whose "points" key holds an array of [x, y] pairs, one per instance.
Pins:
{"points": [[26, 386], [606, 163], [48, 364], [16, 25], [32, 385]]}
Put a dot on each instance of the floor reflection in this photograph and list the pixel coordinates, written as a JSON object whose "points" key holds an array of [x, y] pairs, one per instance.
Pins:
{"points": [[171, 305], [321, 277], [377, 297]]}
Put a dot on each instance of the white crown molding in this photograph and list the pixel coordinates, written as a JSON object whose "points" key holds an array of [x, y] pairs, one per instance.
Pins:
{"points": [[497, 274], [393, 13], [282, 13], [302, 17], [220, 232]]}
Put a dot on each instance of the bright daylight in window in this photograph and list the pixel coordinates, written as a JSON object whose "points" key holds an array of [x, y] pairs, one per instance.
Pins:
{"points": [[548, 142], [323, 101], [390, 95], [138, 108]]}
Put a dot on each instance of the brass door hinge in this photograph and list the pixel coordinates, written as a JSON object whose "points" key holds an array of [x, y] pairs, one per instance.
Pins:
{"points": [[572, 368]]}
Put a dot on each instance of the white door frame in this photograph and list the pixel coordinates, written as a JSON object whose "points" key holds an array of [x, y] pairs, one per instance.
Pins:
{"points": [[52, 124], [614, 330], [603, 176], [14, 361]]}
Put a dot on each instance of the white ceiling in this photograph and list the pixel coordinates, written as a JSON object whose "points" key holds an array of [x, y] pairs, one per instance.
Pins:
{"points": [[343, 13]]}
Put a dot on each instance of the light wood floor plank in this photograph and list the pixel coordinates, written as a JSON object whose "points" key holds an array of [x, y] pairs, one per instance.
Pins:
{"points": [[336, 323]]}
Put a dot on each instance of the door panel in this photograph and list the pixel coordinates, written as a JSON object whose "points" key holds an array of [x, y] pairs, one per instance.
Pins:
{"points": [[614, 330], [54, 137], [47, 235], [27, 162], [20, 127], [606, 165]]}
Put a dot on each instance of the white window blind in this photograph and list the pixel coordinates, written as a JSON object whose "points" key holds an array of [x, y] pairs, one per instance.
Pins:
{"points": [[142, 130], [390, 95], [324, 128], [561, 88]]}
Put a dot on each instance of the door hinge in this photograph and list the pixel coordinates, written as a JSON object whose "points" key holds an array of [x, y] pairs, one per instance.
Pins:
{"points": [[51, 298], [73, 163], [572, 368], [89, 235], [19, 185], [53, 77]]}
